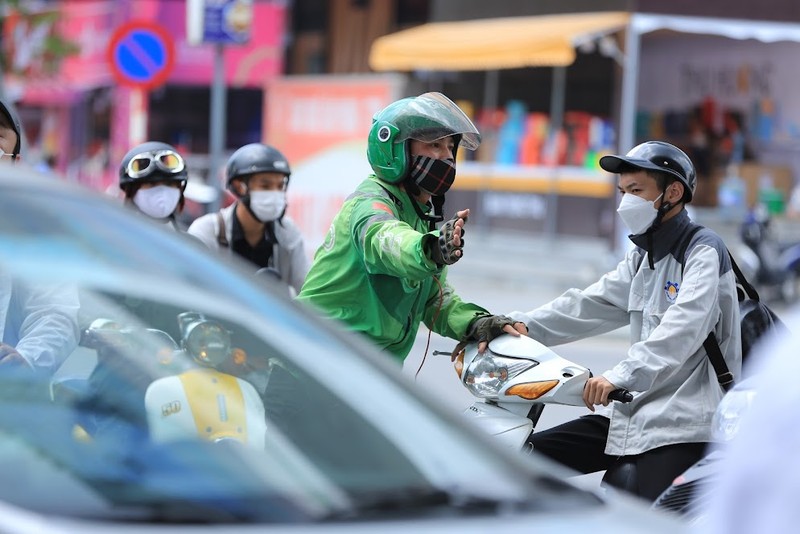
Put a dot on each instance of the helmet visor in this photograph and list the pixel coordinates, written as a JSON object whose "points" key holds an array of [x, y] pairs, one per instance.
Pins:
{"points": [[144, 164], [430, 117]]}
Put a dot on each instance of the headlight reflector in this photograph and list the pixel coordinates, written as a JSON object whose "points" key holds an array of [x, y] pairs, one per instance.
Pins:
{"points": [[487, 374], [735, 403]]}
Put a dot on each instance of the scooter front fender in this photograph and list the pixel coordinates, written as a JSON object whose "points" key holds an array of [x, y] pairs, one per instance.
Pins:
{"points": [[510, 429]]}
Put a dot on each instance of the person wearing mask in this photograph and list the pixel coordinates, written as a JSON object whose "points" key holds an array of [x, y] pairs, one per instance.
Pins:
{"points": [[153, 177], [672, 291], [256, 227], [38, 322], [382, 269]]}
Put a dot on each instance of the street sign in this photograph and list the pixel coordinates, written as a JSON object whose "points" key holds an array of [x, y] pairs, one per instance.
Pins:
{"points": [[141, 54], [219, 21]]}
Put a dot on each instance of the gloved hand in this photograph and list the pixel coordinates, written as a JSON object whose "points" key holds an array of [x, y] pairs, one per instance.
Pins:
{"points": [[484, 329], [449, 248], [488, 327]]}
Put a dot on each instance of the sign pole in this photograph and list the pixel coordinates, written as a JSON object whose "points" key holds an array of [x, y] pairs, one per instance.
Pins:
{"points": [[220, 22], [217, 126], [137, 127]]}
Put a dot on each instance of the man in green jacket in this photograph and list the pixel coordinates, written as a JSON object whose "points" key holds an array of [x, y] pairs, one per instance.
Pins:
{"points": [[382, 267]]}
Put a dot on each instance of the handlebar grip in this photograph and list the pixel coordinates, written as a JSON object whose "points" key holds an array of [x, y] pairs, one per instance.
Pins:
{"points": [[620, 395]]}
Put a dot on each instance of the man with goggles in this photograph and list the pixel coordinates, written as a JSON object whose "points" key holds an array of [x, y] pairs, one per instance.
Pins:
{"points": [[256, 226], [153, 178], [38, 323]]}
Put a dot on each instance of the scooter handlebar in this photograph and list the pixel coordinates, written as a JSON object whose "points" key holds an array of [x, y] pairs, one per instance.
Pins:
{"points": [[620, 395]]}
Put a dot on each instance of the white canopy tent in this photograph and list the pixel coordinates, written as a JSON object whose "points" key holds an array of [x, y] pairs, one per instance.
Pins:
{"points": [[640, 24]]}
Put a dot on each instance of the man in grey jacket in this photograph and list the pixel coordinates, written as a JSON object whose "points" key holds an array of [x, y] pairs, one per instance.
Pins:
{"points": [[671, 308], [256, 227]]}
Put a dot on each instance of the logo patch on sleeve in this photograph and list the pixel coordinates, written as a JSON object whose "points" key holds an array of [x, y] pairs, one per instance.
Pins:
{"points": [[383, 207], [671, 291]]}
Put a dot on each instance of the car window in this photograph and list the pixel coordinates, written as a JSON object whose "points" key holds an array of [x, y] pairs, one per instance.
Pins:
{"points": [[183, 391]]}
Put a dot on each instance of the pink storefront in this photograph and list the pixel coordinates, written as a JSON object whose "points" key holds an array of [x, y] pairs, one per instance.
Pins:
{"points": [[85, 121]]}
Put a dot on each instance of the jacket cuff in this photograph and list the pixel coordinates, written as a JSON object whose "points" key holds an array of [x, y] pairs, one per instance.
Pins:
{"points": [[616, 379]]}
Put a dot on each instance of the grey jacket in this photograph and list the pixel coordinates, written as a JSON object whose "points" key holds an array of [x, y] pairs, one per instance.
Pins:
{"points": [[288, 255], [675, 387]]}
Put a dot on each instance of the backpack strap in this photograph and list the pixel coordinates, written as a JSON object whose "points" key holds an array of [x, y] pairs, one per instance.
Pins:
{"points": [[724, 376], [221, 237], [742, 281]]}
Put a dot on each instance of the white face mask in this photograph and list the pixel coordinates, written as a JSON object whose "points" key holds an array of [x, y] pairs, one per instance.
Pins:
{"points": [[637, 213], [267, 205], [157, 202]]}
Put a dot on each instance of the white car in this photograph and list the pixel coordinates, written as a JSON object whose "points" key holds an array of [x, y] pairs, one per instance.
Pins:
{"points": [[198, 398]]}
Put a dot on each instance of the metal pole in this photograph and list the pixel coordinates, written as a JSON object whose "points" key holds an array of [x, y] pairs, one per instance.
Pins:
{"points": [[217, 126], [557, 97], [630, 76], [491, 88], [627, 119]]}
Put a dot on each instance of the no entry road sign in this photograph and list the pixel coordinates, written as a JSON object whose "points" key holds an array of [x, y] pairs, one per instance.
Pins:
{"points": [[141, 54]]}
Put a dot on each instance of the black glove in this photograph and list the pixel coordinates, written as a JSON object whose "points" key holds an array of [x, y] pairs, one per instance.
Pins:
{"points": [[488, 327], [442, 250]]}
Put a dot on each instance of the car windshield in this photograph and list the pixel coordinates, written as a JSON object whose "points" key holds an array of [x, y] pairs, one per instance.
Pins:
{"points": [[186, 392]]}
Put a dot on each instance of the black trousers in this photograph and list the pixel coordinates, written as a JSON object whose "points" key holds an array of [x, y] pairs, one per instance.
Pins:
{"points": [[580, 444]]}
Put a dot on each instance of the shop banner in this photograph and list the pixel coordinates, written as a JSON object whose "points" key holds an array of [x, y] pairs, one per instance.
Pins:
{"points": [[321, 123]]}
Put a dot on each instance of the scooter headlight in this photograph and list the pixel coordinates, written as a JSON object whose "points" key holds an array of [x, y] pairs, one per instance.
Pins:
{"points": [[735, 403], [205, 341], [488, 373]]}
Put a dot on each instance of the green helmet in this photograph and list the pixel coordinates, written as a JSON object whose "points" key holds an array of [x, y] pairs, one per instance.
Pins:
{"points": [[426, 118]]}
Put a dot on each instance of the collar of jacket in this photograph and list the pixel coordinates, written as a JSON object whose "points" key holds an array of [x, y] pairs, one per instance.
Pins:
{"points": [[398, 193], [665, 238]]}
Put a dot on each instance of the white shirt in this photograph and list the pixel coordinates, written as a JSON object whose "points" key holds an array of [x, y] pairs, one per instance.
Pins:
{"points": [[41, 322]]}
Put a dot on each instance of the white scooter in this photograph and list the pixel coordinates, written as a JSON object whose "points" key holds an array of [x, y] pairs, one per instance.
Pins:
{"points": [[514, 379], [201, 387]]}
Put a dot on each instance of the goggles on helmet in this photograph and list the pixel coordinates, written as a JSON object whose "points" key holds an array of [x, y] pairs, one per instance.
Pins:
{"points": [[144, 164]]}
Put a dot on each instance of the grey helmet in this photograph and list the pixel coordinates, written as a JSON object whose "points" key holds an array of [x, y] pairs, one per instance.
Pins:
{"points": [[255, 158], [656, 156]]}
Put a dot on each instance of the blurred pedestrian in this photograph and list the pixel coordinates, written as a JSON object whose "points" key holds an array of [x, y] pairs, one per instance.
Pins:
{"points": [[38, 322], [674, 289], [256, 227], [757, 478], [382, 268], [10, 132], [153, 177]]}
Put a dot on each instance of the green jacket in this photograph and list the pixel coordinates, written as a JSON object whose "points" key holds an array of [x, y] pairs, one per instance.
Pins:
{"points": [[372, 273]]}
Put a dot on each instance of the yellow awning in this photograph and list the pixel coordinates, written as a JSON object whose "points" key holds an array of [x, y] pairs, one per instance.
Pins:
{"points": [[487, 44]]}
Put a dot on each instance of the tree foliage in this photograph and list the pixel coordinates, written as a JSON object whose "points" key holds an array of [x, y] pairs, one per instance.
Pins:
{"points": [[31, 38]]}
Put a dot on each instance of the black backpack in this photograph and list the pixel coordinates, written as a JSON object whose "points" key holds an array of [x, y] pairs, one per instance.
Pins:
{"points": [[755, 318]]}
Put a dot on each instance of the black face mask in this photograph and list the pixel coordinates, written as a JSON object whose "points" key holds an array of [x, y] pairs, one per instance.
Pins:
{"points": [[433, 175]]}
